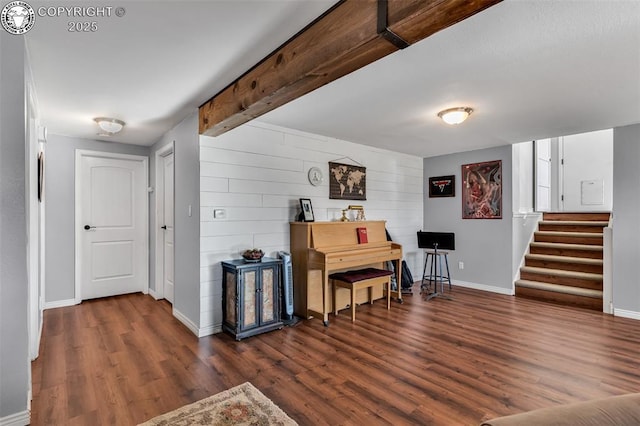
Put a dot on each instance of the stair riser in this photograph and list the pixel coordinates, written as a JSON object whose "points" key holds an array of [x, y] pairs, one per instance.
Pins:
{"points": [[589, 254], [579, 267], [559, 298], [571, 228], [555, 279], [568, 239], [577, 216]]}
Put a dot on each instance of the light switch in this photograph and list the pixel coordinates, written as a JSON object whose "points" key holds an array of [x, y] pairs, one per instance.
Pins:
{"points": [[219, 214]]}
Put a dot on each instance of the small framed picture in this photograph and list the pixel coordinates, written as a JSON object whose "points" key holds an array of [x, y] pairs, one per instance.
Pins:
{"points": [[307, 210], [442, 186]]}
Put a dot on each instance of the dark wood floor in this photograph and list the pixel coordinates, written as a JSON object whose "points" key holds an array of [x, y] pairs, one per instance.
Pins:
{"points": [[123, 360]]}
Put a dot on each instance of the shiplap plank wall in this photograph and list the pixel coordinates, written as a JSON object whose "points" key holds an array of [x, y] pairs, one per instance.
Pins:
{"points": [[257, 173]]}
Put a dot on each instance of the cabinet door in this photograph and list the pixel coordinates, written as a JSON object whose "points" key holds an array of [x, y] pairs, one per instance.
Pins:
{"points": [[231, 297], [249, 283], [269, 306]]}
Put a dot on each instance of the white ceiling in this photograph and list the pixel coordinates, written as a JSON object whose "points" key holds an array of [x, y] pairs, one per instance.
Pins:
{"points": [[530, 68]]}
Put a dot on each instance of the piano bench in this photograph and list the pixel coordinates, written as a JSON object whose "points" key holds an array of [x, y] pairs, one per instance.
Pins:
{"points": [[361, 278]]}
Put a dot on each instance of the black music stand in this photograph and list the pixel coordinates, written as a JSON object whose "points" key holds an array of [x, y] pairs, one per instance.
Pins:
{"points": [[435, 241]]}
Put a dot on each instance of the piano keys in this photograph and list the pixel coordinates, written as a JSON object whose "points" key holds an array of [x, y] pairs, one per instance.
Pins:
{"points": [[319, 249]]}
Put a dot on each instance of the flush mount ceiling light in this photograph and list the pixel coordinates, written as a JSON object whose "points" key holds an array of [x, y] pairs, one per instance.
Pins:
{"points": [[455, 115], [110, 126]]}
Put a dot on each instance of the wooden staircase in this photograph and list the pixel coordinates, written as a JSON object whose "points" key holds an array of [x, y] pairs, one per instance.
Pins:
{"points": [[564, 264]]}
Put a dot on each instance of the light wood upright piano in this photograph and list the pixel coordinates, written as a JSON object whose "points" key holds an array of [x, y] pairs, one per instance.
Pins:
{"points": [[319, 249]]}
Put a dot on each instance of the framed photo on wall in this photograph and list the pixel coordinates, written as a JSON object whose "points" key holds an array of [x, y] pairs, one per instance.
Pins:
{"points": [[482, 190], [307, 210], [442, 186]]}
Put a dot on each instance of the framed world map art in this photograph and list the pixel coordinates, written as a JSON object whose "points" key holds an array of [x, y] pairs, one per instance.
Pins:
{"points": [[347, 182]]}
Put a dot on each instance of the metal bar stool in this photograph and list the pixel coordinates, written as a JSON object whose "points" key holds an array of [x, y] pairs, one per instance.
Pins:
{"points": [[436, 272]]}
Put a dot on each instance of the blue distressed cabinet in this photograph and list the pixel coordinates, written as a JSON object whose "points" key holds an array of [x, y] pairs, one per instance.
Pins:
{"points": [[251, 297]]}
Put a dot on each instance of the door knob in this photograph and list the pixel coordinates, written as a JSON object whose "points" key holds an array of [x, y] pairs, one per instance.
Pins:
{"points": [[164, 227], [87, 227]]}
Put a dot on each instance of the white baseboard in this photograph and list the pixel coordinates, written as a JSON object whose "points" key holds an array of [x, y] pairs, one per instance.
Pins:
{"points": [[186, 321], [60, 303], [210, 330], [18, 419], [626, 314], [153, 294], [200, 332], [484, 287]]}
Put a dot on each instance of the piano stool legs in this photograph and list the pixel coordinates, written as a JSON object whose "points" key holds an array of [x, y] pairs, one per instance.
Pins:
{"points": [[355, 286]]}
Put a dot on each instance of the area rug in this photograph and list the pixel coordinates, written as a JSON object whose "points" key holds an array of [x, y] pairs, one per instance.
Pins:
{"points": [[241, 405]]}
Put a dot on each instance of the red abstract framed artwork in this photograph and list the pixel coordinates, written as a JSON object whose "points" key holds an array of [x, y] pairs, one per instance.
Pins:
{"points": [[482, 190]]}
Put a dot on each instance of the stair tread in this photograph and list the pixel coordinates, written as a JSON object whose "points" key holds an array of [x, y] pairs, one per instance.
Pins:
{"points": [[562, 273], [574, 222], [577, 291], [577, 215], [567, 246], [570, 234], [565, 259]]}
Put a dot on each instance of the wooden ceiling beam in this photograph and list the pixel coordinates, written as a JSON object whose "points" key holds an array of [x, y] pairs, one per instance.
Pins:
{"points": [[341, 41]]}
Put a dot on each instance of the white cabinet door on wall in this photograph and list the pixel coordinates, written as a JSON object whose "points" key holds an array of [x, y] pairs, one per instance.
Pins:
{"points": [[587, 171]]}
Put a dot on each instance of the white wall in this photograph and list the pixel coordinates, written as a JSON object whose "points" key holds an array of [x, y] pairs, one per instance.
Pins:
{"points": [[14, 308], [257, 173], [186, 304], [588, 158], [524, 221], [484, 245], [626, 223], [522, 175], [35, 218]]}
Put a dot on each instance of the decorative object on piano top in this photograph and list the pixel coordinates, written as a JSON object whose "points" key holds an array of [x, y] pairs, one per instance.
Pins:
{"points": [[359, 212], [359, 217], [442, 186], [347, 182], [306, 215], [253, 255]]}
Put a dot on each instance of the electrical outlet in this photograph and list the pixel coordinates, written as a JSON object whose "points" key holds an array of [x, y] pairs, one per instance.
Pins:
{"points": [[460, 265]]}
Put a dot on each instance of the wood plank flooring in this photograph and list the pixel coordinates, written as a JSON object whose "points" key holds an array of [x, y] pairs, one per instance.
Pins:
{"points": [[123, 360]]}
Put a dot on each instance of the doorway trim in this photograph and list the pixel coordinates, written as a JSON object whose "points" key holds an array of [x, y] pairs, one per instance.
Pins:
{"points": [[158, 292], [80, 153]]}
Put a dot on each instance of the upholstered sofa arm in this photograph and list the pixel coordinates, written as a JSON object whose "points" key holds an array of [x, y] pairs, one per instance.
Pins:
{"points": [[616, 410]]}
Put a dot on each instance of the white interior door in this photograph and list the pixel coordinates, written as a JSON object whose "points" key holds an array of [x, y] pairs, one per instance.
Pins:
{"points": [[111, 225], [587, 171], [167, 212], [543, 175]]}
